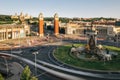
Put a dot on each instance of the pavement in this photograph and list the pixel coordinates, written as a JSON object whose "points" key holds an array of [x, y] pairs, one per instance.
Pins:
{"points": [[14, 70]]}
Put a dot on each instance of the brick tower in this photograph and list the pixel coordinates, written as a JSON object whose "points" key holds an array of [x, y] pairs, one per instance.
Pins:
{"points": [[41, 24], [56, 24]]}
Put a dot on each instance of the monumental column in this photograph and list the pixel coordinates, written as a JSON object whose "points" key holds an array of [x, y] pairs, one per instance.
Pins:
{"points": [[56, 24], [41, 24]]}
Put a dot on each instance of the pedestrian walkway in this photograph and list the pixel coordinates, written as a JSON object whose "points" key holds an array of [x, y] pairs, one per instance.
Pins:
{"points": [[16, 69]]}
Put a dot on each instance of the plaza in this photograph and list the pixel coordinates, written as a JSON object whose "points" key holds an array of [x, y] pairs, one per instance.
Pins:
{"points": [[59, 40]]}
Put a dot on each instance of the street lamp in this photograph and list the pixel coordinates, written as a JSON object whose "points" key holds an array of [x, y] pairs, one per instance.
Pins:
{"points": [[35, 53], [61, 39], [117, 39], [20, 42], [11, 48], [6, 64], [48, 35], [116, 35]]}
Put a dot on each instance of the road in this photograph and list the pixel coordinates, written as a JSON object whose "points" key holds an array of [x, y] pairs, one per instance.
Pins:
{"points": [[48, 70], [64, 73], [44, 55]]}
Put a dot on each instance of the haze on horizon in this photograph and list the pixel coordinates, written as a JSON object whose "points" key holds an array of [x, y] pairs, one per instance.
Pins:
{"points": [[64, 8]]}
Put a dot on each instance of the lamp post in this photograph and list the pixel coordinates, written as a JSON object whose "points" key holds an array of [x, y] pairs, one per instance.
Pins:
{"points": [[60, 39], [48, 35], [116, 35], [117, 38], [6, 64], [11, 49], [35, 53], [20, 42]]}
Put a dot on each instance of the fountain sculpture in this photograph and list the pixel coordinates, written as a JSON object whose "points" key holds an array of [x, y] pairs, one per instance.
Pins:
{"points": [[92, 49]]}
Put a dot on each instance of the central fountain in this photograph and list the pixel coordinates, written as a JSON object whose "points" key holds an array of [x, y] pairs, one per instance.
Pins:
{"points": [[92, 48], [91, 39]]}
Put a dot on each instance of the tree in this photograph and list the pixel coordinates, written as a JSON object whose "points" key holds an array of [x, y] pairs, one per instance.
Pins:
{"points": [[5, 18], [64, 20], [26, 75], [1, 77], [34, 78]]}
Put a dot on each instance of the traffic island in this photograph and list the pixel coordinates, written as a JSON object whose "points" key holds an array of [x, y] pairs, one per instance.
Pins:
{"points": [[62, 54]]}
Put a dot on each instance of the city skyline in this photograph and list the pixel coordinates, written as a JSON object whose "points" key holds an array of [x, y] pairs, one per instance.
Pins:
{"points": [[64, 8]]}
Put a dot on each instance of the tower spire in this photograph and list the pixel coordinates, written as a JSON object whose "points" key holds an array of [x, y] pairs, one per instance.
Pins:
{"points": [[56, 24], [41, 24]]}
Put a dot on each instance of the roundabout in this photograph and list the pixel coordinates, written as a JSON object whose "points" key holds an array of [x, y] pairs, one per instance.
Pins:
{"points": [[56, 59], [91, 55], [63, 69], [63, 54]]}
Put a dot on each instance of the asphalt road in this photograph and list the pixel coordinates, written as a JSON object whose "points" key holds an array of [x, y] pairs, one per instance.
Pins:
{"points": [[44, 55]]}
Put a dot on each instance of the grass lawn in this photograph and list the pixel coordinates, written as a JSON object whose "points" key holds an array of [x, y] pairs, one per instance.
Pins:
{"points": [[62, 54]]}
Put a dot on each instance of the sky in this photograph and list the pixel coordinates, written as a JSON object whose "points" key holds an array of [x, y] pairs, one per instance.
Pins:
{"points": [[64, 8]]}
